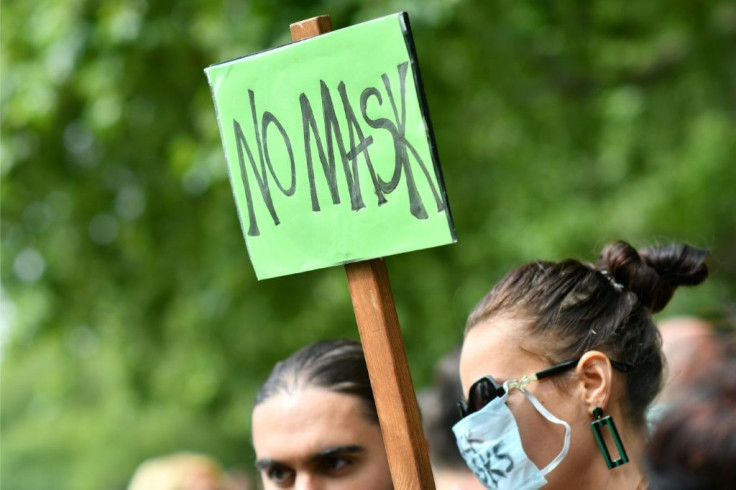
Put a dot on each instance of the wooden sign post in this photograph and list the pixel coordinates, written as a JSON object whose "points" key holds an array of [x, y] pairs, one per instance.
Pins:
{"points": [[385, 355], [398, 414], [332, 162]]}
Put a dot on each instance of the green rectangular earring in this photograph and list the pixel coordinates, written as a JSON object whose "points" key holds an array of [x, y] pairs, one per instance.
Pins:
{"points": [[597, 426]]}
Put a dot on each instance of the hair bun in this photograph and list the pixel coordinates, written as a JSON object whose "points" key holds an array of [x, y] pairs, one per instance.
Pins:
{"points": [[654, 273]]}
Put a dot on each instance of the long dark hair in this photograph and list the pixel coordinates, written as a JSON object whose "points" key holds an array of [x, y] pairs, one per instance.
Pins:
{"points": [[336, 365], [571, 307]]}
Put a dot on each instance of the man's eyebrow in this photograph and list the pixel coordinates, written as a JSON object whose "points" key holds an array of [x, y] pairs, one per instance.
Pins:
{"points": [[333, 450], [263, 464]]}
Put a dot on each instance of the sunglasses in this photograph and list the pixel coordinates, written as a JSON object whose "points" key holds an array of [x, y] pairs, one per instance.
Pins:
{"points": [[487, 389]]}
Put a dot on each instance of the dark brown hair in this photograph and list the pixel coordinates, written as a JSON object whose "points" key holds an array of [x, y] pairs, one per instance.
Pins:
{"points": [[336, 365], [571, 307]]}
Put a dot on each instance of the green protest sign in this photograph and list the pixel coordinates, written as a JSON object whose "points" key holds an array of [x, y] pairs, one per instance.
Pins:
{"points": [[330, 149]]}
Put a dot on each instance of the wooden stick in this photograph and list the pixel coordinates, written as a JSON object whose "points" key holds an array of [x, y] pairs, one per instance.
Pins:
{"points": [[398, 413], [385, 355], [310, 27]]}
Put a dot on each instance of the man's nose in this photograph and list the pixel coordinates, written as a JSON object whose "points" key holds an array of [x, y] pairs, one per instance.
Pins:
{"points": [[308, 481]]}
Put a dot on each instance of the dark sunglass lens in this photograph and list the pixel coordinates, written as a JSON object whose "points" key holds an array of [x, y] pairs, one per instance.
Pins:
{"points": [[482, 393], [462, 408]]}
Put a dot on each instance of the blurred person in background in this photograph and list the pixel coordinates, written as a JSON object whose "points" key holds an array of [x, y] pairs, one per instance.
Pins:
{"points": [[315, 425], [694, 444], [559, 363], [238, 479], [180, 471], [438, 405], [690, 346]]}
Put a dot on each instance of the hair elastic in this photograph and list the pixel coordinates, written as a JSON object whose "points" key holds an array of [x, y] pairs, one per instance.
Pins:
{"points": [[607, 274]]}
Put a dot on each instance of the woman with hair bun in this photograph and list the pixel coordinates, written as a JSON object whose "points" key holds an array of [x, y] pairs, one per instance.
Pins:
{"points": [[559, 363]]}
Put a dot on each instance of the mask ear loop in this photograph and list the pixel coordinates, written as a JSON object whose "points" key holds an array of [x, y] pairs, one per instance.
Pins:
{"points": [[549, 416]]}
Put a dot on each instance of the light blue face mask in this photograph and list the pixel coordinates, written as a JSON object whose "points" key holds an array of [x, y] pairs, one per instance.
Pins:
{"points": [[490, 443]]}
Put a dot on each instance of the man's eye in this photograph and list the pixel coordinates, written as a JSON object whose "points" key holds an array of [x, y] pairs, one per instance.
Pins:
{"points": [[280, 475], [335, 464]]}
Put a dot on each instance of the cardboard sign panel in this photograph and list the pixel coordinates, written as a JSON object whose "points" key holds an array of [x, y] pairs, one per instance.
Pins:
{"points": [[330, 149]]}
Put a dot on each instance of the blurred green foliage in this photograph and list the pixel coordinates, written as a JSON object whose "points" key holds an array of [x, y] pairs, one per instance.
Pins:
{"points": [[132, 323]]}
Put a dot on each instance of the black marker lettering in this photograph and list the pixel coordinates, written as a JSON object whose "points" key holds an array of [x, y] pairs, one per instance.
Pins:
{"points": [[267, 119], [362, 147], [326, 144], [401, 144], [261, 178], [309, 126]]}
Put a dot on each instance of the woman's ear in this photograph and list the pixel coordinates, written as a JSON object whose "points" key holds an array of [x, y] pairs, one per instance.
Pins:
{"points": [[595, 373]]}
